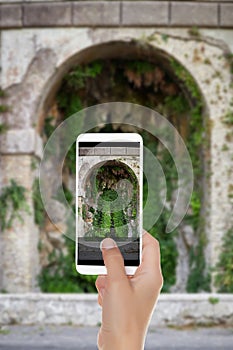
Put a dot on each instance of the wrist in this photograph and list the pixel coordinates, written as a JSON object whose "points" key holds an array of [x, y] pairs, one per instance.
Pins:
{"points": [[129, 341]]}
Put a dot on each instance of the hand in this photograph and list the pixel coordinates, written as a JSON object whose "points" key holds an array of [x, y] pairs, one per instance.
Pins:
{"points": [[128, 302]]}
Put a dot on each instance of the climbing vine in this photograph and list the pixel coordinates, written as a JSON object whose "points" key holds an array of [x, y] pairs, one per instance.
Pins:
{"points": [[39, 216], [109, 216], [228, 118], [3, 107], [12, 202], [2, 93], [60, 276], [199, 277], [224, 268], [3, 128]]}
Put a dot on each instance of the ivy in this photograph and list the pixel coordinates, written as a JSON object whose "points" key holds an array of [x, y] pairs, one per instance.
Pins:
{"points": [[48, 126], [229, 57], [188, 81], [62, 192], [109, 195], [195, 204], [12, 202], [164, 37], [71, 159], [228, 118], [2, 93], [68, 100], [69, 104], [4, 108], [3, 128], [106, 218], [224, 267], [61, 276], [39, 214], [77, 77], [168, 250], [199, 277], [195, 32], [177, 104]]}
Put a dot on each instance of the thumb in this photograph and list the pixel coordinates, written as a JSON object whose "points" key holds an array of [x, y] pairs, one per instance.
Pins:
{"points": [[113, 260]]}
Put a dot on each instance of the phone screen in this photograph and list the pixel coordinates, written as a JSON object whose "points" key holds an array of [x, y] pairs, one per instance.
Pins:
{"points": [[108, 204]]}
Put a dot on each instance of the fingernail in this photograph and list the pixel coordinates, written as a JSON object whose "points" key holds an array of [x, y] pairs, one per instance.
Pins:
{"points": [[108, 243]]}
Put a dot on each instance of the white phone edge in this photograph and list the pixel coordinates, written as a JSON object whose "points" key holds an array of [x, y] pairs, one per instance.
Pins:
{"points": [[113, 137]]}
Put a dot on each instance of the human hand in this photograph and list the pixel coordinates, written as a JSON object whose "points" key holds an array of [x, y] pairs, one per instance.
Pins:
{"points": [[128, 301]]}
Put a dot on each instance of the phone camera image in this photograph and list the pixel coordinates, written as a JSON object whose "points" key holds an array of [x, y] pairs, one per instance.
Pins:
{"points": [[108, 199]]}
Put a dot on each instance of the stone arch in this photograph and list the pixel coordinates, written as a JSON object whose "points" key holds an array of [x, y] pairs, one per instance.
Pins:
{"points": [[116, 49], [87, 168], [87, 175], [37, 86]]}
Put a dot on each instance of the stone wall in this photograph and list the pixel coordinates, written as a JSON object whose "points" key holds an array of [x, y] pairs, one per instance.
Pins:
{"points": [[39, 45], [116, 13], [83, 310]]}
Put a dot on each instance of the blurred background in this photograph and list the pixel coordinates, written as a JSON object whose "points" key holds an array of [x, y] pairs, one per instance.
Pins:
{"points": [[58, 57]]}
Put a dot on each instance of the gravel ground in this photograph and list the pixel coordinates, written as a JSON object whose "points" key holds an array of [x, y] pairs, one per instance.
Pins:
{"points": [[84, 338]]}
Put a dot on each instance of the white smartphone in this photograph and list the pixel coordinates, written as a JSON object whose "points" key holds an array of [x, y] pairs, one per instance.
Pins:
{"points": [[109, 169]]}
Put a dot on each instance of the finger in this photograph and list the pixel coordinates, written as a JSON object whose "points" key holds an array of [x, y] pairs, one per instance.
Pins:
{"points": [[113, 261], [150, 255], [150, 250]]}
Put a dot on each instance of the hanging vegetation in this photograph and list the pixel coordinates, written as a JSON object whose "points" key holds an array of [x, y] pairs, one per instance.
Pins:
{"points": [[109, 219], [12, 202], [224, 268], [174, 95]]}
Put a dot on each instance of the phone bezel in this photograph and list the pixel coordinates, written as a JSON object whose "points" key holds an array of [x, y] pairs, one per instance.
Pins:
{"points": [[112, 137]]}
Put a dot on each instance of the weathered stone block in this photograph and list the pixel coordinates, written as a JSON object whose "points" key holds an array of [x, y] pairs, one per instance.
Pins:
{"points": [[226, 15], [118, 151], [50, 14], [86, 151], [144, 13], [10, 16], [39, 146], [102, 151], [100, 13], [191, 14], [21, 142], [132, 151]]}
